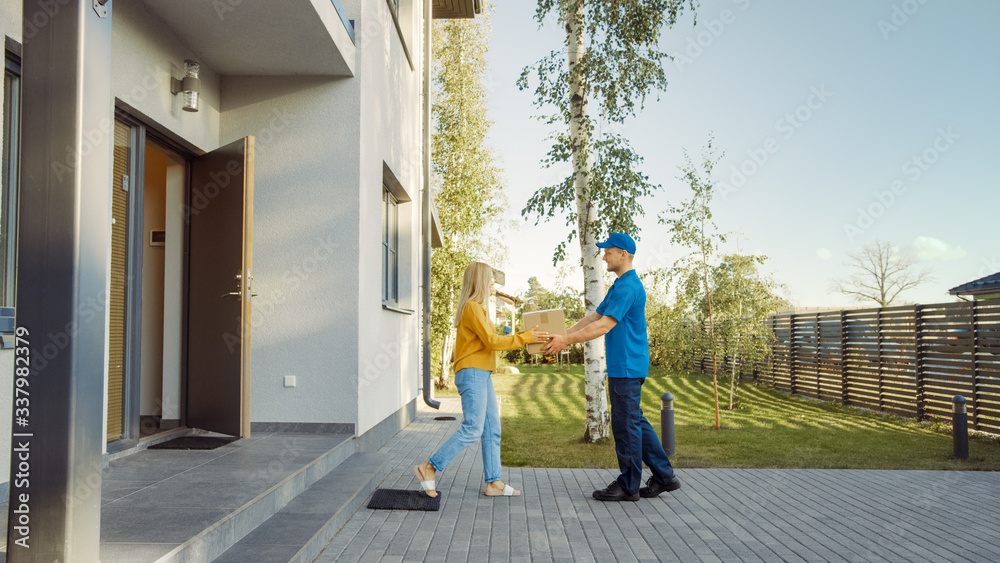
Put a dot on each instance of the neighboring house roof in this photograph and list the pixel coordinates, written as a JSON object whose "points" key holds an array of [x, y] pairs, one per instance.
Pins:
{"points": [[509, 298], [988, 284]]}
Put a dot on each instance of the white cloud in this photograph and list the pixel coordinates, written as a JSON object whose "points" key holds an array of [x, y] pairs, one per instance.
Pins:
{"points": [[824, 254], [927, 248]]}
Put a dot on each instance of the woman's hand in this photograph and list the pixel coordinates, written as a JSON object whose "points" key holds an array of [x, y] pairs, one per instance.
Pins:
{"points": [[539, 336]]}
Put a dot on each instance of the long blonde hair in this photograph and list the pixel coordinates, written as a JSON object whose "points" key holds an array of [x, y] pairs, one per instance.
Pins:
{"points": [[475, 287]]}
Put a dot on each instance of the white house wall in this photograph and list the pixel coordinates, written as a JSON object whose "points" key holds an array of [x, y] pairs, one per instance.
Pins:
{"points": [[306, 177], [390, 138], [145, 54], [322, 147]]}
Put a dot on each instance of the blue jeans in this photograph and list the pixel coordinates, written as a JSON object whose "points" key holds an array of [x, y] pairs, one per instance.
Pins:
{"points": [[480, 421], [635, 440]]}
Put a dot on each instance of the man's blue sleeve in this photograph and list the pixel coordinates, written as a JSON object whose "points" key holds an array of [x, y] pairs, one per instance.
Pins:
{"points": [[616, 303]]}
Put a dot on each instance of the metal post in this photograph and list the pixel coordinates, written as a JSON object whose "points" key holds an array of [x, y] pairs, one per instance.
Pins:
{"points": [[667, 423], [62, 280], [960, 427], [426, 227]]}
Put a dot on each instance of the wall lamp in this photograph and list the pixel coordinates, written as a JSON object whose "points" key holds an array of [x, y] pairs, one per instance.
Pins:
{"points": [[189, 86]]}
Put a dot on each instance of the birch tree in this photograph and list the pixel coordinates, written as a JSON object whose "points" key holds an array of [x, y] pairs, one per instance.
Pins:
{"points": [[612, 60], [744, 301], [468, 183], [691, 225]]}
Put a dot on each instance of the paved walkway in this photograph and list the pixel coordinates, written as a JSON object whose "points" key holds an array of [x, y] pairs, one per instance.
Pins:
{"points": [[718, 514]]}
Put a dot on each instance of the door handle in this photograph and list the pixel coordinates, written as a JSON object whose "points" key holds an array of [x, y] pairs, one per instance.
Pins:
{"points": [[232, 294]]}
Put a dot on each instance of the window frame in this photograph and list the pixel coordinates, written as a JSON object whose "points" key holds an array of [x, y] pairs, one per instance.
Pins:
{"points": [[11, 179], [390, 248]]}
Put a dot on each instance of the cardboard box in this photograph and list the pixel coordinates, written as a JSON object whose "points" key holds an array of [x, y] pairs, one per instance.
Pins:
{"points": [[552, 321]]}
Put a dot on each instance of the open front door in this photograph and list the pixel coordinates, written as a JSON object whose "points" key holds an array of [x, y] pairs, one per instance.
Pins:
{"points": [[220, 214]]}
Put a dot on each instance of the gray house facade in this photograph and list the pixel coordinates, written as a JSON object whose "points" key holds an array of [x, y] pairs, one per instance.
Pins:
{"points": [[215, 217]]}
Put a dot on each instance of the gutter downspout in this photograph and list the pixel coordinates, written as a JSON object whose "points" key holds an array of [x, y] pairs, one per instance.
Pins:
{"points": [[425, 201]]}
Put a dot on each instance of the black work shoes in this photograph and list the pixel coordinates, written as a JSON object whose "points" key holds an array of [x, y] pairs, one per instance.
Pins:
{"points": [[653, 487], [614, 492]]}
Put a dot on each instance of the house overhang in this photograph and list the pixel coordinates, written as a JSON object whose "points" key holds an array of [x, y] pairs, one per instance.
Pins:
{"points": [[291, 37], [452, 9]]}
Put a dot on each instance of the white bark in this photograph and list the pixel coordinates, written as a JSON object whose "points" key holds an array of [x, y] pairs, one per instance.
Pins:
{"points": [[446, 350], [732, 382], [595, 368]]}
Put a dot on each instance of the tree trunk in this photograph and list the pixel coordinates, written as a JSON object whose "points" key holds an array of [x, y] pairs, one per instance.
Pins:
{"points": [[739, 341], [711, 338], [732, 382], [446, 350], [595, 369]]}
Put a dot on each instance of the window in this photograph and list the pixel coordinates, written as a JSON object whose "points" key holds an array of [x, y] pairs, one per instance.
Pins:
{"points": [[390, 248], [8, 191]]}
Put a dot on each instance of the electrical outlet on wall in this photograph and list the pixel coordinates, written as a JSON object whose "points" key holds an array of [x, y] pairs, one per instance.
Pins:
{"points": [[289, 381]]}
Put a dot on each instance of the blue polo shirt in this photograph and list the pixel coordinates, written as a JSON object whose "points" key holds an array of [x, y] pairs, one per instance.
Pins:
{"points": [[627, 344]]}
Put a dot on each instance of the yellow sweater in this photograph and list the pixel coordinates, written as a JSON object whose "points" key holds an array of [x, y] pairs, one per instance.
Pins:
{"points": [[476, 340]]}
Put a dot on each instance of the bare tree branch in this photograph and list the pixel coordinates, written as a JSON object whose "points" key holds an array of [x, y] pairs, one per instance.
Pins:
{"points": [[881, 273]]}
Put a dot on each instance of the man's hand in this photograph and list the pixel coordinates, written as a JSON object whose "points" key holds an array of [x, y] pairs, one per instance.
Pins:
{"points": [[556, 344]]}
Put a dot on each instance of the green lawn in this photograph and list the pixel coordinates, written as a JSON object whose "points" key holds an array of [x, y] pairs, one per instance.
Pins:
{"points": [[542, 413]]}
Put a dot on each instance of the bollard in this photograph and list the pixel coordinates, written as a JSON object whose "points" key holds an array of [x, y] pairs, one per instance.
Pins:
{"points": [[960, 427], [667, 423]]}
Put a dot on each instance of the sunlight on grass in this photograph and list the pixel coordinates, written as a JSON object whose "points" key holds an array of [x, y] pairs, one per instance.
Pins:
{"points": [[543, 410]]}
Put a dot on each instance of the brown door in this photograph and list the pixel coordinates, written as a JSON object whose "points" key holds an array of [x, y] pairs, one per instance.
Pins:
{"points": [[220, 214]]}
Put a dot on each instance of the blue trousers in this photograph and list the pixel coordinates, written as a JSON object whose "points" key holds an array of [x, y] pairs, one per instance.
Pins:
{"points": [[635, 440], [480, 423]]}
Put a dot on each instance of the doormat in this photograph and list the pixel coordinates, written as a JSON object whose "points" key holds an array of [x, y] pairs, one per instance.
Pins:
{"points": [[399, 499], [444, 418], [194, 443]]}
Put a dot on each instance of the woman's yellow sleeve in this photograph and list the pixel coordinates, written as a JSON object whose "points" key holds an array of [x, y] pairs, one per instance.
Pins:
{"points": [[475, 318]]}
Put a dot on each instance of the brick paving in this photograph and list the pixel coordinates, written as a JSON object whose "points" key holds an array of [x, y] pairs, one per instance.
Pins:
{"points": [[718, 514]]}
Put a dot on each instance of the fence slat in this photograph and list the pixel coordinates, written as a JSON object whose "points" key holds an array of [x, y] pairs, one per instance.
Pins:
{"points": [[908, 361]]}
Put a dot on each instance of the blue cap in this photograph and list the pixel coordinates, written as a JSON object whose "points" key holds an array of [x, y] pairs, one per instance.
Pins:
{"points": [[619, 240]]}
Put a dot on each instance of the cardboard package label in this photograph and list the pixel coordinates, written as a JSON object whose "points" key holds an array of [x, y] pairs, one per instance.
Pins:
{"points": [[552, 321]]}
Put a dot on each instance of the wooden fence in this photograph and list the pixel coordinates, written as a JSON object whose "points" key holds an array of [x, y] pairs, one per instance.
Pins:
{"points": [[909, 361]]}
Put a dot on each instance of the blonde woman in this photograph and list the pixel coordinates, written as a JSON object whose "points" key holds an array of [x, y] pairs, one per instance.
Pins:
{"points": [[476, 343]]}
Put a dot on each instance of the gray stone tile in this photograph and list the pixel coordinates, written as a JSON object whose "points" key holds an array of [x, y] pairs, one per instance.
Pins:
{"points": [[154, 524], [148, 471], [286, 529], [113, 490], [258, 553], [194, 494], [236, 473], [132, 552]]}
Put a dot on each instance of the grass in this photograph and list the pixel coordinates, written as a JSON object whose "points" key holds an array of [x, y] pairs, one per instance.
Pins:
{"points": [[542, 412]]}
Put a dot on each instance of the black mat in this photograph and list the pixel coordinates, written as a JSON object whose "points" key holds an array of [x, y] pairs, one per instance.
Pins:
{"points": [[398, 499], [193, 443]]}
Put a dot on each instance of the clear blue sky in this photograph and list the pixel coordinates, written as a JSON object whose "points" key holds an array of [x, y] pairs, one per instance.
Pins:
{"points": [[840, 97]]}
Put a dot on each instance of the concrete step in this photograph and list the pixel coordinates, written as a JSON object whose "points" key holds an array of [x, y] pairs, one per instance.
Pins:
{"points": [[192, 506], [299, 531]]}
